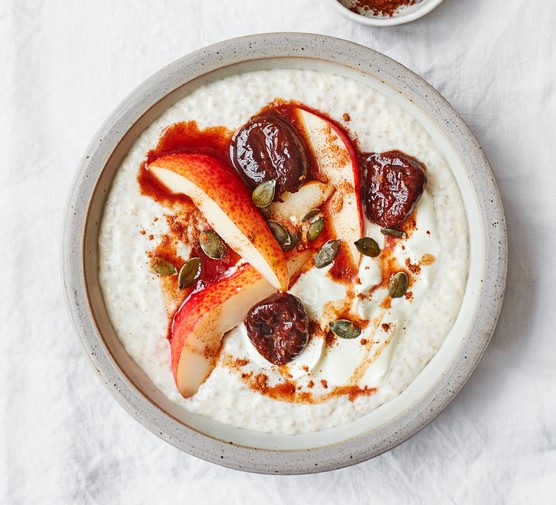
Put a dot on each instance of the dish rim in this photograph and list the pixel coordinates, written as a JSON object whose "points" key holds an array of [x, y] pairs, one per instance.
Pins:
{"points": [[418, 12], [150, 93]]}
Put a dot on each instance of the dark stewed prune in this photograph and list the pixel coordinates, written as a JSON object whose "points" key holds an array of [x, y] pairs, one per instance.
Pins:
{"points": [[394, 182], [267, 148], [278, 327]]}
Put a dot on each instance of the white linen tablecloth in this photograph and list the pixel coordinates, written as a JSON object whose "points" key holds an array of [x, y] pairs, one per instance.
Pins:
{"points": [[64, 65]]}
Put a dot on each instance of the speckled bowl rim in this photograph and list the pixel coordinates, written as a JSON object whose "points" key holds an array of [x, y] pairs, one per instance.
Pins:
{"points": [[153, 91], [417, 13]]}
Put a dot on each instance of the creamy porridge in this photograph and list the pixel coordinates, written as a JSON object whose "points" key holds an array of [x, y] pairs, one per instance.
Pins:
{"points": [[333, 380]]}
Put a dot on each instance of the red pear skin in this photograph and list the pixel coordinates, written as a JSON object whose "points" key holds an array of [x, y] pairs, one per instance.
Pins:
{"points": [[338, 162], [224, 187], [202, 320]]}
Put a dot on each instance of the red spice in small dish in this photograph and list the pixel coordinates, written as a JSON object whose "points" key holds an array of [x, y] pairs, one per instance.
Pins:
{"points": [[381, 7]]}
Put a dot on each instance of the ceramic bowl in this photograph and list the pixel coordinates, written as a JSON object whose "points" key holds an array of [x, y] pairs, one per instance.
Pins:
{"points": [[405, 15], [391, 423]]}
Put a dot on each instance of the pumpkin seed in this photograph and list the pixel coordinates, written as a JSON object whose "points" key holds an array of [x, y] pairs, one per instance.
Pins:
{"points": [[392, 232], [367, 246], [344, 328], [310, 215], [264, 193], [327, 253], [280, 233], [295, 237], [188, 272], [212, 245], [315, 229], [398, 285], [162, 267]]}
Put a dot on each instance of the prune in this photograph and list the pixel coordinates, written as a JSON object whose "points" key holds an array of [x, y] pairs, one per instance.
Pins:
{"points": [[278, 327], [394, 182], [267, 148]]}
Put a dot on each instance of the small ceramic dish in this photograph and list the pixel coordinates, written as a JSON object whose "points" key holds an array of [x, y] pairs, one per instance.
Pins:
{"points": [[404, 14], [394, 421]]}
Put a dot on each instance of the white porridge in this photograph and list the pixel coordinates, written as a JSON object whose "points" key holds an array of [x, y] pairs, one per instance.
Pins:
{"points": [[403, 333]]}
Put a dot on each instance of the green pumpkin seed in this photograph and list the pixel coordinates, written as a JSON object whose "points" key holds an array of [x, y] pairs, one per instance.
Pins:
{"points": [[280, 233], [264, 193], [315, 229], [327, 253], [162, 267], [398, 285], [295, 237], [344, 328], [368, 247], [392, 232], [188, 272], [310, 215], [212, 245]]}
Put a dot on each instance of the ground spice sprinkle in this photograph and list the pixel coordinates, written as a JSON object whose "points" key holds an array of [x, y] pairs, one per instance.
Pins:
{"points": [[381, 7]]}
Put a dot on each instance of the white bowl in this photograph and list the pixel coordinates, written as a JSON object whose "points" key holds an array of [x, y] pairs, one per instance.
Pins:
{"points": [[406, 14], [393, 422]]}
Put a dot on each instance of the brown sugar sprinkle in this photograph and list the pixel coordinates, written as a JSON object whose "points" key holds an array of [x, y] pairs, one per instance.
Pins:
{"points": [[261, 382], [285, 391], [285, 371], [354, 392], [151, 237], [315, 329], [363, 341], [330, 339], [143, 232], [232, 362], [346, 117], [305, 368], [386, 303], [385, 326], [291, 392], [414, 268], [381, 7]]}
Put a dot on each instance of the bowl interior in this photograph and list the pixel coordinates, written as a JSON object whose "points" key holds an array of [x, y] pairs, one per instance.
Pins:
{"points": [[388, 425], [425, 381]]}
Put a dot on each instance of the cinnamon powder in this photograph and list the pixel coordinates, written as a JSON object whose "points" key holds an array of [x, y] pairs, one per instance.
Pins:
{"points": [[380, 7]]}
